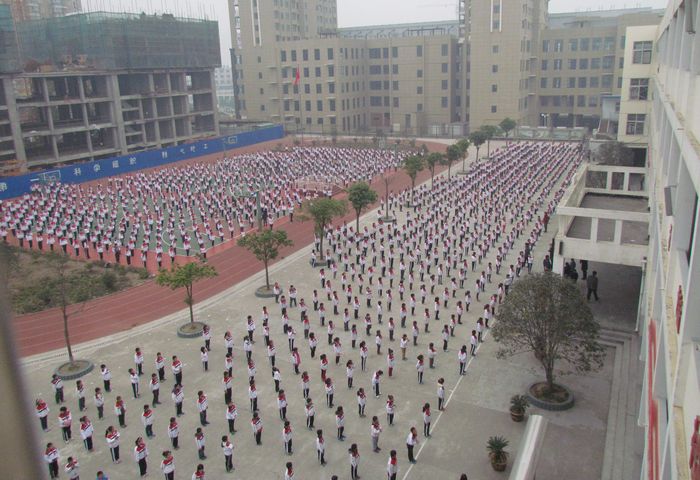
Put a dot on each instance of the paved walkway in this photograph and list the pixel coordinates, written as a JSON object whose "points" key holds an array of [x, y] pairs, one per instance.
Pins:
{"points": [[477, 403], [43, 331]]}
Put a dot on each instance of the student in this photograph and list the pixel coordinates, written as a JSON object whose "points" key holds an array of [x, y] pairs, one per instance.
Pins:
{"points": [[42, 412], [411, 442], [174, 433], [147, 420], [231, 415], [361, 402], [390, 409], [72, 469], [289, 468], [86, 432], [112, 438], [340, 423], [310, 412], [375, 429], [320, 448], [392, 468], [200, 442], [441, 394], [354, 461], [65, 420], [140, 455], [227, 448], [257, 425], [51, 457], [287, 437], [427, 418], [167, 465]]}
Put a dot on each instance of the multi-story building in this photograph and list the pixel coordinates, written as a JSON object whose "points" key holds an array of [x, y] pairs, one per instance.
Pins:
{"points": [[23, 10], [223, 80], [95, 85], [495, 61], [582, 59]]}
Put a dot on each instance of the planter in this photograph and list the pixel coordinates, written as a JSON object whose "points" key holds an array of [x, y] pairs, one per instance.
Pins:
{"points": [[517, 415], [77, 369], [498, 464], [264, 292], [190, 330], [561, 398]]}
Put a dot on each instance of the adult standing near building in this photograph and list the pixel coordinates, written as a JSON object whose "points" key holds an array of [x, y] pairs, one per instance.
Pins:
{"points": [[592, 284]]}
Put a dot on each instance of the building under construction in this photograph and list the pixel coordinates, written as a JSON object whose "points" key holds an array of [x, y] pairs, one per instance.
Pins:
{"points": [[97, 85]]}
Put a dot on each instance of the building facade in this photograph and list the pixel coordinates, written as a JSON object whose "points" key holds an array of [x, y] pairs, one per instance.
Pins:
{"points": [[498, 60], [23, 10], [105, 85]]}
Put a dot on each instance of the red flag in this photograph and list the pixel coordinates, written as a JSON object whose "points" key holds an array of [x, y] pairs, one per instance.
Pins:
{"points": [[296, 77]]}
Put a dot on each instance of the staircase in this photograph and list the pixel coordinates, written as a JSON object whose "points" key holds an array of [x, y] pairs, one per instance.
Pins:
{"points": [[623, 451]]}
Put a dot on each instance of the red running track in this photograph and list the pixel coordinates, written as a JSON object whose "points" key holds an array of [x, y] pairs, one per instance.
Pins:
{"points": [[43, 331]]}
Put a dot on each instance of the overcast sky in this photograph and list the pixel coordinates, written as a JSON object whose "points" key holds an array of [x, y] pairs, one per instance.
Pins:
{"points": [[350, 12]]}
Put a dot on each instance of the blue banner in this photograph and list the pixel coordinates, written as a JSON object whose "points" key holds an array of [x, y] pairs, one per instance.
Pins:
{"points": [[85, 172]]}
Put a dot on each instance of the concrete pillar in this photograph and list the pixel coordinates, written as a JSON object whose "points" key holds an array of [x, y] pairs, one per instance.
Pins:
{"points": [[13, 116], [608, 180], [617, 239], [594, 229], [116, 111], [626, 182]]}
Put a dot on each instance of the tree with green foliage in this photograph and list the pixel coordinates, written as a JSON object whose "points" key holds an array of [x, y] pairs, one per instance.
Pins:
{"points": [[413, 165], [265, 246], [452, 154], [9, 261], [185, 276], [322, 211], [477, 138], [546, 314], [463, 146], [360, 196], [489, 131], [615, 153], [507, 124], [432, 160]]}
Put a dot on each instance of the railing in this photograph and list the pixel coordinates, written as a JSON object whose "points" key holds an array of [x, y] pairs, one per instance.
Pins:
{"points": [[525, 465]]}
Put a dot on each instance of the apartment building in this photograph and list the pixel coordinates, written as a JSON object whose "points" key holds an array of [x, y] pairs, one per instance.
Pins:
{"points": [[90, 86], [498, 60], [23, 10]]}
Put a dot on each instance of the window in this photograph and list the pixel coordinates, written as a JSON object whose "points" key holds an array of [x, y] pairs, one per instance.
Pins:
{"points": [[294, 55], [556, 101], [331, 88], [419, 73], [635, 123], [395, 69], [494, 49], [494, 108], [375, 53], [543, 82], [641, 52], [571, 82], [581, 101], [582, 81], [606, 81], [319, 121], [544, 100], [621, 62], [385, 69], [557, 63], [307, 88], [319, 105], [305, 55], [395, 85], [597, 44], [444, 85], [396, 102], [572, 64], [443, 102], [375, 85], [594, 82], [419, 107], [331, 71], [419, 90], [331, 105], [494, 88], [285, 89], [583, 44], [496, 24], [262, 108], [375, 69], [558, 45], [306, 72], [394, 52], [330, 54], [556, 82], [317, 54], [444, 49], [583, 64], [494, 68], [545, 46], [595, 63], [619, 82], [317, 70], [375, 101], [573, 44], [609, 44], [592, 101], [622, 42], [283, 55], [445, 68], [608, 62], [319, 88], [544, 65], [419, 50]]}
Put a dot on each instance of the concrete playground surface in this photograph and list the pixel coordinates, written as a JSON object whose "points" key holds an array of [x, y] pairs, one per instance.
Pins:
{"points": [[477, 405]]}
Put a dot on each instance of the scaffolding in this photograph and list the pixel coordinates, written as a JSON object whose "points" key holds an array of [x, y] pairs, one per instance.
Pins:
{"points": [[118, 41], [9, 55]]}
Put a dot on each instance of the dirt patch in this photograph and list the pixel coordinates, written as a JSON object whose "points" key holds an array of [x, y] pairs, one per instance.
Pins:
{"points": [[556, 394], [33, 280]]}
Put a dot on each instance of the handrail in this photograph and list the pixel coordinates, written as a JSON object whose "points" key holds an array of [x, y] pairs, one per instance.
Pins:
{"points": [[525, 465]]}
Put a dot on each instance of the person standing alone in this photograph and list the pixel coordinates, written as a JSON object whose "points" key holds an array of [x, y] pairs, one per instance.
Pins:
{"points": [[592, 284]]}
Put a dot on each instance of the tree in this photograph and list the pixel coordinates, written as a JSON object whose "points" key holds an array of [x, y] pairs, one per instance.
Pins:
{"points": [[615, 153], [463, 146], [507, 124], [413, 165], [478, 138], [546, 314], [361, 196], [265, 246], [489, 131], [431, 161], [185, 276], [322, 211], [9, 261], [453, 153]]}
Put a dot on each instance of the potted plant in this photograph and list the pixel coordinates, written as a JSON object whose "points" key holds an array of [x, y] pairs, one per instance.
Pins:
{"points": [[518, 405], [497, 453]]}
